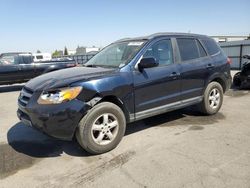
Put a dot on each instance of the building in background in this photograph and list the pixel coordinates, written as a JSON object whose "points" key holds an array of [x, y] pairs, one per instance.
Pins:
{"points": [[71, 52], [86, 50], [235, 50], [227, 38]]}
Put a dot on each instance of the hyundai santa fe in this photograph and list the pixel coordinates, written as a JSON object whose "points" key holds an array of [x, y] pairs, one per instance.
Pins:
{"points": [[129, 80]]}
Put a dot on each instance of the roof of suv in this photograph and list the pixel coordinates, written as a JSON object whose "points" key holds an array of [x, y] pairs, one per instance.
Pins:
{"points": [[14, 53], [156, 35]]}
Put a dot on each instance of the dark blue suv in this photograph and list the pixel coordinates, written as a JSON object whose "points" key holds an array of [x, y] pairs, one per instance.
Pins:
{"points": [[129, 80]]}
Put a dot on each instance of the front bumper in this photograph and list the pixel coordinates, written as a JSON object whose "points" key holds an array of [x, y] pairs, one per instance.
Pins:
{"points": [[57, 120]]}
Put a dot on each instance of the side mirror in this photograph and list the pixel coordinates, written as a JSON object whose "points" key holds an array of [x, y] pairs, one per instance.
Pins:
{"points": [[147, 62]]}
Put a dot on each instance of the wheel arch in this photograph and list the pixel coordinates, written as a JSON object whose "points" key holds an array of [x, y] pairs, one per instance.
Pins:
{"points": [[221, 82], [218, 78], [115, 100]]}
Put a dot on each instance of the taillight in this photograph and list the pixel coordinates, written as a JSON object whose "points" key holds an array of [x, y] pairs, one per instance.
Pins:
{"points": [[229, 61]]}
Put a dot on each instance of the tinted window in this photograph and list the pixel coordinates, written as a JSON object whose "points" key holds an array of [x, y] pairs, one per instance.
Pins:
{"points": [[211, 46], [27, 59], [161, 51], [201, 49], [39, 57], [188, 49]]}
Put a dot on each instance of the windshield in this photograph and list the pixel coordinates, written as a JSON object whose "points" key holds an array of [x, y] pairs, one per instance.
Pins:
{"points": [[116, 55], [8, 60]]}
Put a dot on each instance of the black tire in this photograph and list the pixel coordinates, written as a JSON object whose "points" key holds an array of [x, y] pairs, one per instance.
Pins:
{"points": [[86, 136], [206, 105], [236, 80]]}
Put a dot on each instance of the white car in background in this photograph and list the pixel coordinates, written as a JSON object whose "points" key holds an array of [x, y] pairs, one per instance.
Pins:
{"points": [[41, 57]]}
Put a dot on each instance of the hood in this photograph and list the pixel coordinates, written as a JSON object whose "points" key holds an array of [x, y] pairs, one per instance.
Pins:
{"points": [[65, 77]]}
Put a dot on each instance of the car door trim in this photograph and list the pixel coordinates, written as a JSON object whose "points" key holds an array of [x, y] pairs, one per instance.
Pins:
{"points": [[164, 108]]}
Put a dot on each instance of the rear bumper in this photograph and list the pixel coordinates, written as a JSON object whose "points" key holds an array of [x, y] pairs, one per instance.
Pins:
{"points": [[59, 121]]}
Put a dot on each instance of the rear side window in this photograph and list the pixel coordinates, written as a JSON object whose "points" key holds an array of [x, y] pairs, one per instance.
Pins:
{"points": [[188, 49], [201, 49], [27, 59], [211, 46]]}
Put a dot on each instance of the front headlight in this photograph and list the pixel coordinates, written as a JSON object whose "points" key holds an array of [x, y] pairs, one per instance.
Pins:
{"points": [[59, 95]]}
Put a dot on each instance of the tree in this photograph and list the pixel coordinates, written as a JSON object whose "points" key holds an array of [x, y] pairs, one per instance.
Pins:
{"points": [[38, 51], [65, 51], [55, 53]]}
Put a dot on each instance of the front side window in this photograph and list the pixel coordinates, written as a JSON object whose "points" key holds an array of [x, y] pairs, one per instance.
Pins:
{"points": [[116, 55], [188, 49], [161, 51]]}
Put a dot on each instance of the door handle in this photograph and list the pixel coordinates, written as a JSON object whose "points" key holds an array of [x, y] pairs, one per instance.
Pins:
{"points": [[174, 75], [209, 66]]}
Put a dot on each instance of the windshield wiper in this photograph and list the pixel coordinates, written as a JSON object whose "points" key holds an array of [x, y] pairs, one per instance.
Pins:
{"points": [[103, 66], [90, 65]]}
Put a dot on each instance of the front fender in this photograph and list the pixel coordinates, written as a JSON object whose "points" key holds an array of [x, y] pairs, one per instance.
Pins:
{"points": [[118, 85]]}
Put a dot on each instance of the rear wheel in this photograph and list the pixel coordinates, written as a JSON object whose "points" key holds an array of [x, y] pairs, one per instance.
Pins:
{"points": [[213, 98], [102, 128]]}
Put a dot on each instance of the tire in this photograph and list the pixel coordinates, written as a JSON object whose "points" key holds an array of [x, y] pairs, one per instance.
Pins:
{"points": [[212, 100], [236, 80], [96, 128]]}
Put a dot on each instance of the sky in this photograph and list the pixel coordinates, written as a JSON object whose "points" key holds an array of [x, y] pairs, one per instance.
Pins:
{"points": [[47, 25]]}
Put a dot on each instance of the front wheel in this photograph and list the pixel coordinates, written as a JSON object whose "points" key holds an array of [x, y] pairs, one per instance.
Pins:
{"points": [[213, 98], [102, 128]]}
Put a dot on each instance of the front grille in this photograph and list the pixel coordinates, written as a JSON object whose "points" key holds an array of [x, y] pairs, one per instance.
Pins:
{"points": [[25, 96]]}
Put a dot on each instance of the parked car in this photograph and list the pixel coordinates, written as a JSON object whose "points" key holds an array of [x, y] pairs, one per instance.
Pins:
{"points": [[41, 57], [129, 80], [20, 67], [242, 79]]}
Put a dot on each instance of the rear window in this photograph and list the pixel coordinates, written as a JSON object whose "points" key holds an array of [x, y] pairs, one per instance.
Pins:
{"points": [[188, 49], [211, 46]]}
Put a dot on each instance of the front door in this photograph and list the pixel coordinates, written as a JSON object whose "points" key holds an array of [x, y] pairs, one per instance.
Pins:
{"points": [[158, 86]]}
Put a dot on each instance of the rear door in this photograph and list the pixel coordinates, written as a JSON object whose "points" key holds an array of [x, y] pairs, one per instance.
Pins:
{"points": [[157, 86], [195, 67]]}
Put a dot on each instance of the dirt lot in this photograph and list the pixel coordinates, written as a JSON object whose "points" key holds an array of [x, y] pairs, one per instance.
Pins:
{"points": [[177, 149]]}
